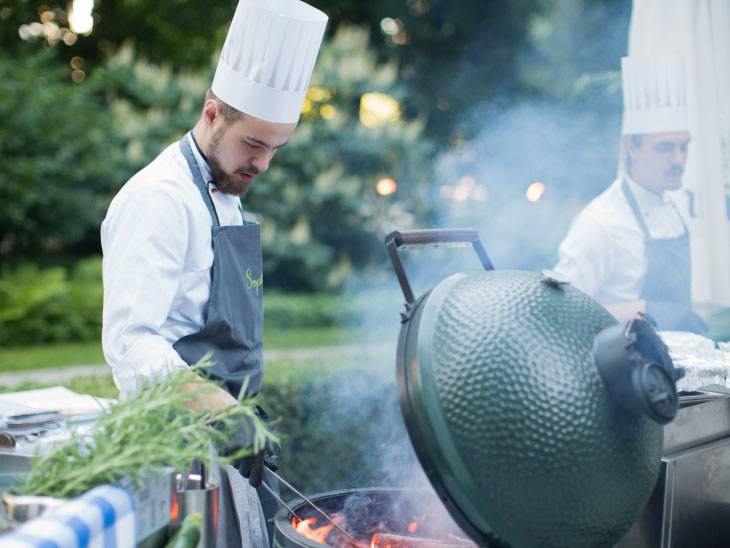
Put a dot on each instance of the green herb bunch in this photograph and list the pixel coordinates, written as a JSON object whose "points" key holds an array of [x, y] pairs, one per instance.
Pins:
{"points": [[143, 434]]}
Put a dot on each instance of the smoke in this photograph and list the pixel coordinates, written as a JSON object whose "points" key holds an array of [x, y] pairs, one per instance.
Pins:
{"points": [[533, 166], [528, 169]]}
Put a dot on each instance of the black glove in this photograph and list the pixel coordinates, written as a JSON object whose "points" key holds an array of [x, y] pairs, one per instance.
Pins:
{"points": [[250, 467], [253, 467]]}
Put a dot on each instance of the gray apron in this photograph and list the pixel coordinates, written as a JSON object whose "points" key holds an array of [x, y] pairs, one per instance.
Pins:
{"points": [[234, 319], [234, 331], [668, 280]]}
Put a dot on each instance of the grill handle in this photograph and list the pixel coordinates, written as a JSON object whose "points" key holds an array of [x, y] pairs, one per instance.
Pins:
{"points": [[430, 238]]}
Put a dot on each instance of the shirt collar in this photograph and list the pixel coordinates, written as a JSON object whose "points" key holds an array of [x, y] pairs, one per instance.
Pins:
{"points": [[200, 158], [644, 197]]}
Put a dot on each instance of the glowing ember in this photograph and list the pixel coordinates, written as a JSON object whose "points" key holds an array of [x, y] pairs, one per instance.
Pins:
{"points": [[304, 528], [380, 539]]}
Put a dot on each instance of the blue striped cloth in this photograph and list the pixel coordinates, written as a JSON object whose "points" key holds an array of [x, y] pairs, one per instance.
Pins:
{"points": [[103, 517]]}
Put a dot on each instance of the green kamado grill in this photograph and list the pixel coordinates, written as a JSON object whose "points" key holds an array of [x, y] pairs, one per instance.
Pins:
{"points": [[537, 417]]}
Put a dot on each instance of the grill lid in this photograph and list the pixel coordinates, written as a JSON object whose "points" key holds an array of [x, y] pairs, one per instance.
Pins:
{"points": [[508, 413]]}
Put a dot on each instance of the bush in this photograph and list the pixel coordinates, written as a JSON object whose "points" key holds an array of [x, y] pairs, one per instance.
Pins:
{"points": [[342, 429], [289, 310], [51, 305], [61, 305], [59, 155]]}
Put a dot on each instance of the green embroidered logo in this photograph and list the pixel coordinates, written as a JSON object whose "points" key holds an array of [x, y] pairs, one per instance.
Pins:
{"points": [[254, 282]]}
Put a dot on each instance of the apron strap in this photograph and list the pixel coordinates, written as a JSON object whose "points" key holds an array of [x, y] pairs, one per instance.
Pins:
{"points": [[637, 212], [187, 152], [635, 208]]}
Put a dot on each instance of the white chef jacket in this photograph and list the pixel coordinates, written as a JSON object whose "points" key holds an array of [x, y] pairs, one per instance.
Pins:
{"points": [[603, 252], [156, 241]]}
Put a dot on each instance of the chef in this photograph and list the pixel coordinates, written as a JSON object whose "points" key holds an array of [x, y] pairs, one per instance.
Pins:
{"points": [[182, 265], [629, 247]]}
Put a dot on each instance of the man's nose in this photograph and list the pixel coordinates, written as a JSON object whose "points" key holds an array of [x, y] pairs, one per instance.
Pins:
{"points": [[261, 161], [679, 156]]}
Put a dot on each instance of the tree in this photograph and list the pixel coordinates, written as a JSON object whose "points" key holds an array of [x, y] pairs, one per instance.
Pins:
{"points": [[59, 157], [321, 214], [318, 204]]}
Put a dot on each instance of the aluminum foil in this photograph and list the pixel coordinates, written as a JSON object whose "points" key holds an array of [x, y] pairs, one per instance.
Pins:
{"points": [[705, 362]]}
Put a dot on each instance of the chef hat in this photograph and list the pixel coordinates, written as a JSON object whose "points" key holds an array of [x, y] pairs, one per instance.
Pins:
{"points": [[268, 58], [655, 100]]}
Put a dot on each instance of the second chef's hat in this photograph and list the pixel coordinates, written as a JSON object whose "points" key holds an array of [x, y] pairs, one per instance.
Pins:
{"points": [[655, 99], [268, 58]]}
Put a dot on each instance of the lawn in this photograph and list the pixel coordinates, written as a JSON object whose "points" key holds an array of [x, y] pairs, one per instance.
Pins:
{"points": [[279, 370], [67, 354]]}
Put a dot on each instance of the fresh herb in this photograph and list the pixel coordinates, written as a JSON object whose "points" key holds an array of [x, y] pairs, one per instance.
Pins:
{"points": [[143, 434]]}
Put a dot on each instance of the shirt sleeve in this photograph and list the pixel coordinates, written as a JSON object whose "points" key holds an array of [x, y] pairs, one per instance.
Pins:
{"points": [[586, 255], [144, 240]]}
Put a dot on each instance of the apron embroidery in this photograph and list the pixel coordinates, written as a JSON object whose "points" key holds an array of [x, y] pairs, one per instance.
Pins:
{"points": [[254, 282]]}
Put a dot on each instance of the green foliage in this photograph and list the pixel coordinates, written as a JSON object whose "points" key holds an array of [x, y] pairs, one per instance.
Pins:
{"points": [[142, 434], [58, 155], [286, 311], [51, 305], [337, 424], [184, 32], [60, 305], [101, 386], [151, 104], [455, 55], [338, 418], [320, 214], [322, 220]]}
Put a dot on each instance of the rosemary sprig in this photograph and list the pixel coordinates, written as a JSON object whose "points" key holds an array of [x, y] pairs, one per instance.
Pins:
{"points": [[140, 435]]}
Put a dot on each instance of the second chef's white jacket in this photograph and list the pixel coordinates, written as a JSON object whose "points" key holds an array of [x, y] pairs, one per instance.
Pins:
{"points": [[156, 240], [603, 252]]}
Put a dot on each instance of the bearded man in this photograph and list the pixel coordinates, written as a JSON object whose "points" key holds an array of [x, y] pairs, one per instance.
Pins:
{"points": [[182, 266]]}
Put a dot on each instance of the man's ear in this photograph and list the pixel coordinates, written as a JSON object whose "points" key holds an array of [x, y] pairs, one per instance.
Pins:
{"points": [[630, 145], [211, 111]]}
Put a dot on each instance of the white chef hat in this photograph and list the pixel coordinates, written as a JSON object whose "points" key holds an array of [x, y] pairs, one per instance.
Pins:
{"points": [[655, 100], [268, 58]]}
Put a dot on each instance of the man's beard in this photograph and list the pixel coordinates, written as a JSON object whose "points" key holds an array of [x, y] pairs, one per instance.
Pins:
{"points": [[227, 183]]}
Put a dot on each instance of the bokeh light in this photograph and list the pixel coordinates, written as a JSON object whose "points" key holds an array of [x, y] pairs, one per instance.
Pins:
{"points": [[386, 187], [327, 112], [69, 38], [391, 26], [466, 189], [534, 191], [378, 108], [80, 17], [319, 95]]}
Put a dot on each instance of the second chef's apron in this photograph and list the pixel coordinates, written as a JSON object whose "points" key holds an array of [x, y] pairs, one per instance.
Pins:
{"points": [[234, 331], [668, 279]]}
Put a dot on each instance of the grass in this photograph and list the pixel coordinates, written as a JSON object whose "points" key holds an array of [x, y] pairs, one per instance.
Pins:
{"points": [[67, 354], [277, 371], [309, 337], [50, 356], [101, 386]]}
